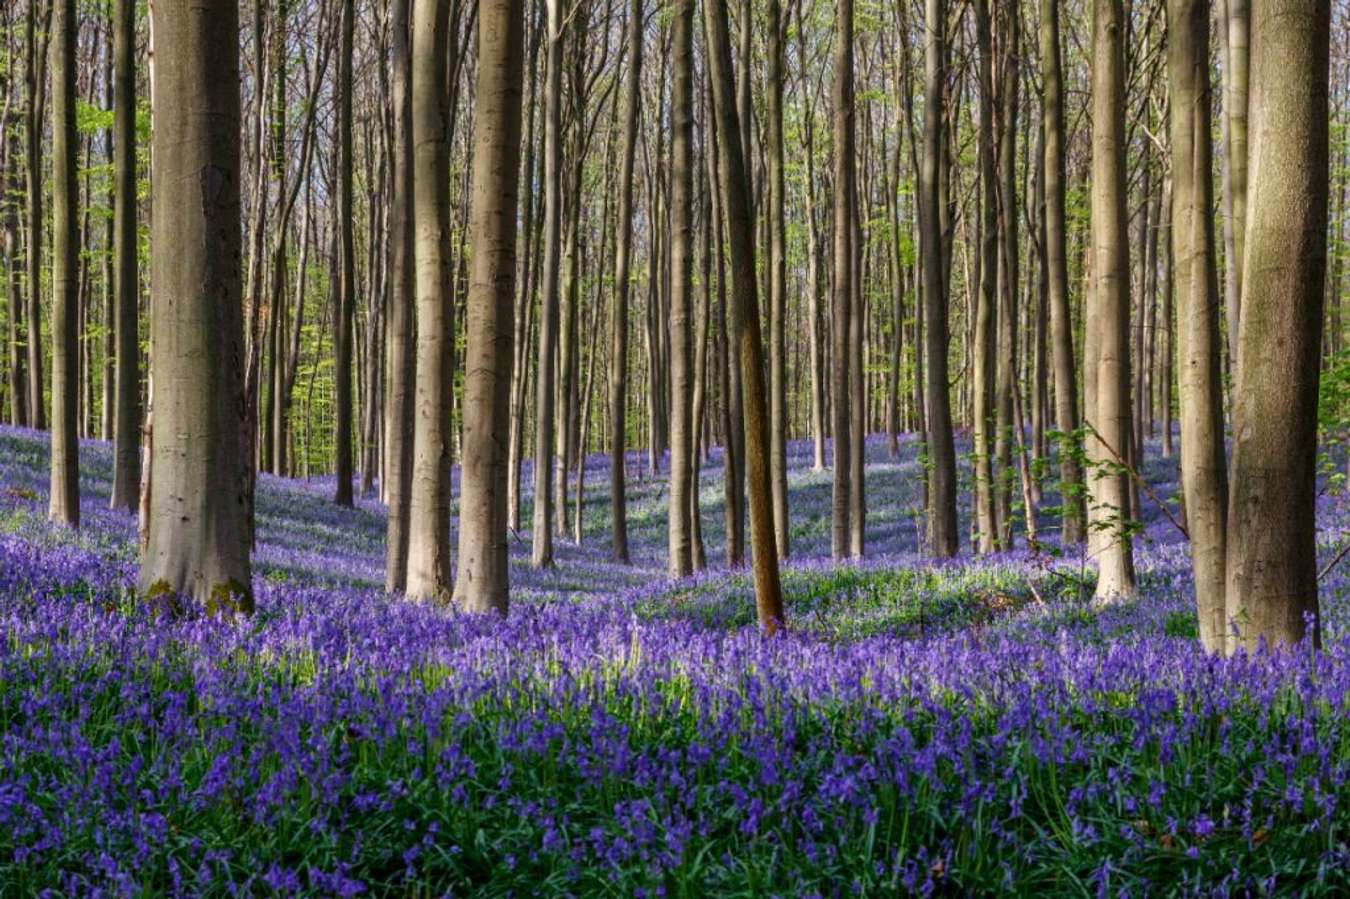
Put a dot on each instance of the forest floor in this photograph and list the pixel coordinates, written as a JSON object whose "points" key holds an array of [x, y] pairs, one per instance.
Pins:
{"points": [[975, 726]]}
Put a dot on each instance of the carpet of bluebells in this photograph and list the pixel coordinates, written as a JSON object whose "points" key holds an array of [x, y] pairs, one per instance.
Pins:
{"points": [[977, 726]]}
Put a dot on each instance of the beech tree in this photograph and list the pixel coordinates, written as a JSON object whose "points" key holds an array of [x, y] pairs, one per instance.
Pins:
{"points": [[1272, 546], [482, 581], [197, 541], [65, 454]]}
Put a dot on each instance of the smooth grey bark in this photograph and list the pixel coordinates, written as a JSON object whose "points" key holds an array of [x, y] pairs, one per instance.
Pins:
{"points": [[1272, 537], [35, 78], [400, 346], [64, 507], [197, 540], [482, 581], [1204, 467], [841, 301], [429, 509], [1108, 313], [985, 360]]}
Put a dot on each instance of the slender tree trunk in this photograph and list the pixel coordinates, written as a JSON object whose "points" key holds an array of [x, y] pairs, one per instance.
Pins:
{"points": [[1008, 279], [1204, 468], [841, 303], [342, 344], [1272, 546], [1237, 68], [429, 510], [65, 452], [683, 426], [400, 348], [1056, 254], [482, 582], [985, 367], [740, 227], [1109, 304], [943, 533], [623, 251], [542, 550], [778, 409], [700, 434], [198, 533], [35, 79]]}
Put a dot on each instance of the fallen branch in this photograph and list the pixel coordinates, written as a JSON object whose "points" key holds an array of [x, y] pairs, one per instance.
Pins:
{"points": [[1139, 479]]}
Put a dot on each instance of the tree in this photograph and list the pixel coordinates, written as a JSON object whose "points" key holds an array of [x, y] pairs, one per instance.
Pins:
{"points": [[126, 422], [683, 495], [1056, 255], [198, 535], [65, 454], [1272, 550], [943, 536], [983, 352], [541, 554], [841, 302], [623, 251], [740, 234], [1108, 312], [429, 512], [35, 78], [400, 348], [1236, 37], [482, 582], [778, 408], [342, 342], [1204, 466]]}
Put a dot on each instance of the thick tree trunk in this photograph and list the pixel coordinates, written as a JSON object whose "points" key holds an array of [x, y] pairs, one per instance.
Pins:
{"points": [[1272, 546], [1109, 305], [1237, 68], [482, 582], [198, 534], [740, 227], [429, 510]]}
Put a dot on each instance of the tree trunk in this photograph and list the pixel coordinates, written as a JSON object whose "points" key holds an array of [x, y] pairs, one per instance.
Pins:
{"points": [[623, 251], [740, 228], [1272, 546], [841, 302], [65, 444], [943, 533], [35, 78], [985, 365], [1237, 67], [542, 550], [1056, 255], [1204, 468], [777, 262], [482, 582], [1109, 304], [429, 510], [198, 534], [342, 343], [683, 498]]}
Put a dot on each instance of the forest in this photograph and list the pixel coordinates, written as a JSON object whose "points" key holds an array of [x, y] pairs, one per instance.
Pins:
{"points": [[668, 448]]}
